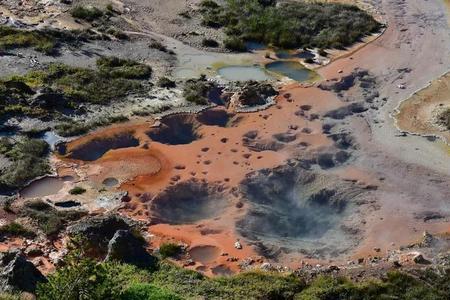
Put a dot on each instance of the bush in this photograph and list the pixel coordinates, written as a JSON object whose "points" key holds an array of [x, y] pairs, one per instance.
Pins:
{"points": [[210, 43], [166, 83], [113, 67], [235, 44], [87, 13], [197, 91], [77, 191], [169, 250]]}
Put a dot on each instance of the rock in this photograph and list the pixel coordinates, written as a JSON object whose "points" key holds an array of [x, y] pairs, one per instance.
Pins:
{"points": [[256, 93], [419, 259], [238, 245], [129, 248], [98, 231], [17, 273]]}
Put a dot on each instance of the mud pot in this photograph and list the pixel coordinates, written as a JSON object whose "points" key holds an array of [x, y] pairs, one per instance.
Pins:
{"points": [[177, 129], [296, 210], [188, 202]]}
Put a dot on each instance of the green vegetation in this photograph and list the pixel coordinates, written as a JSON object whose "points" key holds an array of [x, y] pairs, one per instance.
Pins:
{"points": [[165, 82], [88, 13], [83, 278], [197, 90], [11, 38], [288, 25], [77, 190], [49, 219], [65, 88], [47, 40], [72, 128], [16, 229], [169, 250], [210, 43], [29, 160]]}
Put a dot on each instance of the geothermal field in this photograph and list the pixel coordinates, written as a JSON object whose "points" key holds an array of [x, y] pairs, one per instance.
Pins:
{"points": [[231, 138]]}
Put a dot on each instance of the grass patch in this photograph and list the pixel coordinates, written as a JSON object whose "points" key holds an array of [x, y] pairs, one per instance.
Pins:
{"points": [[66, 88], [77, 191], [29, 160], [72, 128], [288, 25], [11, 38], [16, 229]]}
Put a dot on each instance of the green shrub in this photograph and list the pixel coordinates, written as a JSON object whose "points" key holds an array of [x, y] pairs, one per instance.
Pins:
{"points": [[289, 24], [114, 67], [83, 278], [210, 43], [166, 83], [169, 250], [197, 91], [235, 44], [77, 191], [145, 291], [15, 229], [87, 13]]}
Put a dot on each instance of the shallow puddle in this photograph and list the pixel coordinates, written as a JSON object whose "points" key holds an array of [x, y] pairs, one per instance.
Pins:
{"points": [[110, 182], [293, 70], [222, 270], [244, 73], [45, 187], [204, 254]]}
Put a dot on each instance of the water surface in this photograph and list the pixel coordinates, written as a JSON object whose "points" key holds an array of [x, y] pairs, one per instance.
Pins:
{"points": [[244, 73]]}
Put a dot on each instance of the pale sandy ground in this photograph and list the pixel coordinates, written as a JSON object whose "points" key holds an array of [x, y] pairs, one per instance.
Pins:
{"points": [[415, 170]]}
